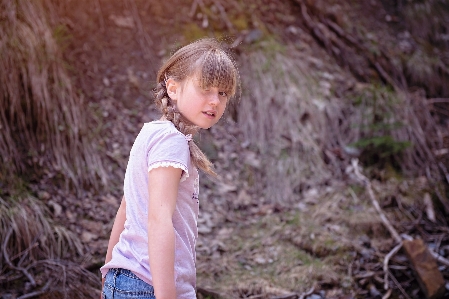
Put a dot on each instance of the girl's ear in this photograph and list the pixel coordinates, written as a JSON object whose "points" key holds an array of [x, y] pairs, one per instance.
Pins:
{"points": [[172, 88]]}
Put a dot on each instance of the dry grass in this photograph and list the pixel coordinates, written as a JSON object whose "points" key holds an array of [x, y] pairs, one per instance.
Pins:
{"points": [[38, 256], [304, 133], [281, 114], [42, 124]]}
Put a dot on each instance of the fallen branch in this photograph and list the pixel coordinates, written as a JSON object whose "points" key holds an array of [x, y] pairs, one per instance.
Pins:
{"points": [[425, 268], [375, 203], [36, 293], [10, 264], [386, 260]]}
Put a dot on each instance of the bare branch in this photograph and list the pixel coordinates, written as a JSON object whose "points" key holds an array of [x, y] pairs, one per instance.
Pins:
{"points": [[10, 264], [386, 260]]}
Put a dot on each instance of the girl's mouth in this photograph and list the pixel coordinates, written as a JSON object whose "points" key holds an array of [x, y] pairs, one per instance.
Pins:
{"points": [[209, 113]]}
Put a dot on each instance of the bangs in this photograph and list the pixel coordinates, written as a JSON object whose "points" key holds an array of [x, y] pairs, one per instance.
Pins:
{"points": [[217, 70]]}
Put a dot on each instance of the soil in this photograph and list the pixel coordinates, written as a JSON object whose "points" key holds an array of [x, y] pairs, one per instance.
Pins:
{"points": [[329, 245]]}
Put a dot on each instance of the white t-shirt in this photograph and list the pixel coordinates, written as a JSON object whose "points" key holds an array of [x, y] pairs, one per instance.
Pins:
{"points": [[159, 144]]}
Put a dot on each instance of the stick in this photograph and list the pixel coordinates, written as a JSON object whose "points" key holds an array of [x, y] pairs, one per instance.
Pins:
{"points": [[400, 287], [193, 8], [224, 16], [36, 293], [388, 294], [10, 264], [386, 260], [309, 292], [438, 100], [439, 258], [100, 13], [443, 168], [375, 203]]}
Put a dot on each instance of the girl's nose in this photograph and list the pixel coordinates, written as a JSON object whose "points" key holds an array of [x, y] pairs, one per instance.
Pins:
{"points": [[214, 99]]}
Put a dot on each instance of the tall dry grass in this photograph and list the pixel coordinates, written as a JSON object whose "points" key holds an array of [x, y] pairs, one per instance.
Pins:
{"points": [[281, 114], [39, 257], [41, 120], [428, 24], [305, 132], [42, 132]]}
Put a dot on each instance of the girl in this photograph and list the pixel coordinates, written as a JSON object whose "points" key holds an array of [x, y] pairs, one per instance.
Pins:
{"points": [[151, 251]]}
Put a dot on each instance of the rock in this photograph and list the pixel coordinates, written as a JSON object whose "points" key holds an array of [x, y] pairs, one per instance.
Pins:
{"points": [[243, 199], [57, 209], [426, 269], [43, 195], [253, 36], [123, 22], [88, 236]]}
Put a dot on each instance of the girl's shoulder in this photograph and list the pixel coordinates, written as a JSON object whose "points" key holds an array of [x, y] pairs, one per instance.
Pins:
{"points": [[163, 131], [162, 127]]}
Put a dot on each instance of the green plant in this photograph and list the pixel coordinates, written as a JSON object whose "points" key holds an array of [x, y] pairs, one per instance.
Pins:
{"points": [[380, 129]]}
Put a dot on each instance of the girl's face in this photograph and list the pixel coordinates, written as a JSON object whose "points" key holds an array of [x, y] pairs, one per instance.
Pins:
{"points": [[202, 107]]}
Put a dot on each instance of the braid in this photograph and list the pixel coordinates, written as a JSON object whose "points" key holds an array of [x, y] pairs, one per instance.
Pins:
{"points": [[168, 110]]}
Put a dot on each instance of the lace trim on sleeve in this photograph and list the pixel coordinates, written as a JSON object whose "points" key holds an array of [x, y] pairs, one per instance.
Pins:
{"points": [[185, 172]]}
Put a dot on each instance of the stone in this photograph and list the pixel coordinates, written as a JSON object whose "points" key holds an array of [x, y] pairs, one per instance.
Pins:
{"points": [[425, 267]]}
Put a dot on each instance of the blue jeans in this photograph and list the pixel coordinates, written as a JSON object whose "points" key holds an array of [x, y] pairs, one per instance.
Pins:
{"points": [[123, 284]]}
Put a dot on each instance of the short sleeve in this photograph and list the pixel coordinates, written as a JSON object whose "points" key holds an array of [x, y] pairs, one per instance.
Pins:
{"points": [[169, 149]]}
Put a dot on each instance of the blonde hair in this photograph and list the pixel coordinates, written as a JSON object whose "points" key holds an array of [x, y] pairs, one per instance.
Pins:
{"points": [[212, 64]]}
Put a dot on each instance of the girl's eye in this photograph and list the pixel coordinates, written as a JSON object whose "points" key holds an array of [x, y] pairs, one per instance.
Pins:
{"points": [[223, 94]]}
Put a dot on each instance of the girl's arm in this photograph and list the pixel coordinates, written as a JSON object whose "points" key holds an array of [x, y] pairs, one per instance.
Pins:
{"points": [[117, 228], [163, 183]]}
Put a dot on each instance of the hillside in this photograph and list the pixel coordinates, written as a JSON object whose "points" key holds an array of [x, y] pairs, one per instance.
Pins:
{"points": [[322, 83]]}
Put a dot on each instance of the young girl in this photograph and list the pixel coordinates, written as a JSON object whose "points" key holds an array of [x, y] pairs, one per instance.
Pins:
{"points": [[151, 251]]}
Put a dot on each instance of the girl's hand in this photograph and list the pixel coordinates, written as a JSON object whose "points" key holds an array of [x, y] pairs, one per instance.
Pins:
{"points": [[163, 183]]}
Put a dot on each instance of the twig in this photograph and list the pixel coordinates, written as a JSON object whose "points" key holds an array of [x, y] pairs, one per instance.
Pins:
{"points": [[10, 264], [437, 100], [193, 8], [439, 258], [144, 39], [309, 292], [443, 168], [224, 16], [442, 199], [99, 11], [290, 296], [354, 196], [399, 287], [388, 294], [375, 203], [386, 260], [36, 293]]}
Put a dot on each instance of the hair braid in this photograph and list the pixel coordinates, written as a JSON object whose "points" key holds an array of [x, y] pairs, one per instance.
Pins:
{"points": [[168, 110]]}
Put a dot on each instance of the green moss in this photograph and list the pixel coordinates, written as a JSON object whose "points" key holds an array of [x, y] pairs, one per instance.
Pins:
{"points": [[192, 32], [240, 22]]}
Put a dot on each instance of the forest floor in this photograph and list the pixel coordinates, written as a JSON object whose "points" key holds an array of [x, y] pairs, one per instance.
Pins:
{"points": [[331, 244]]}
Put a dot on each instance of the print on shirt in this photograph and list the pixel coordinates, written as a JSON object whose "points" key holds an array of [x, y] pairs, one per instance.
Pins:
{"points": [[196, 189]]}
